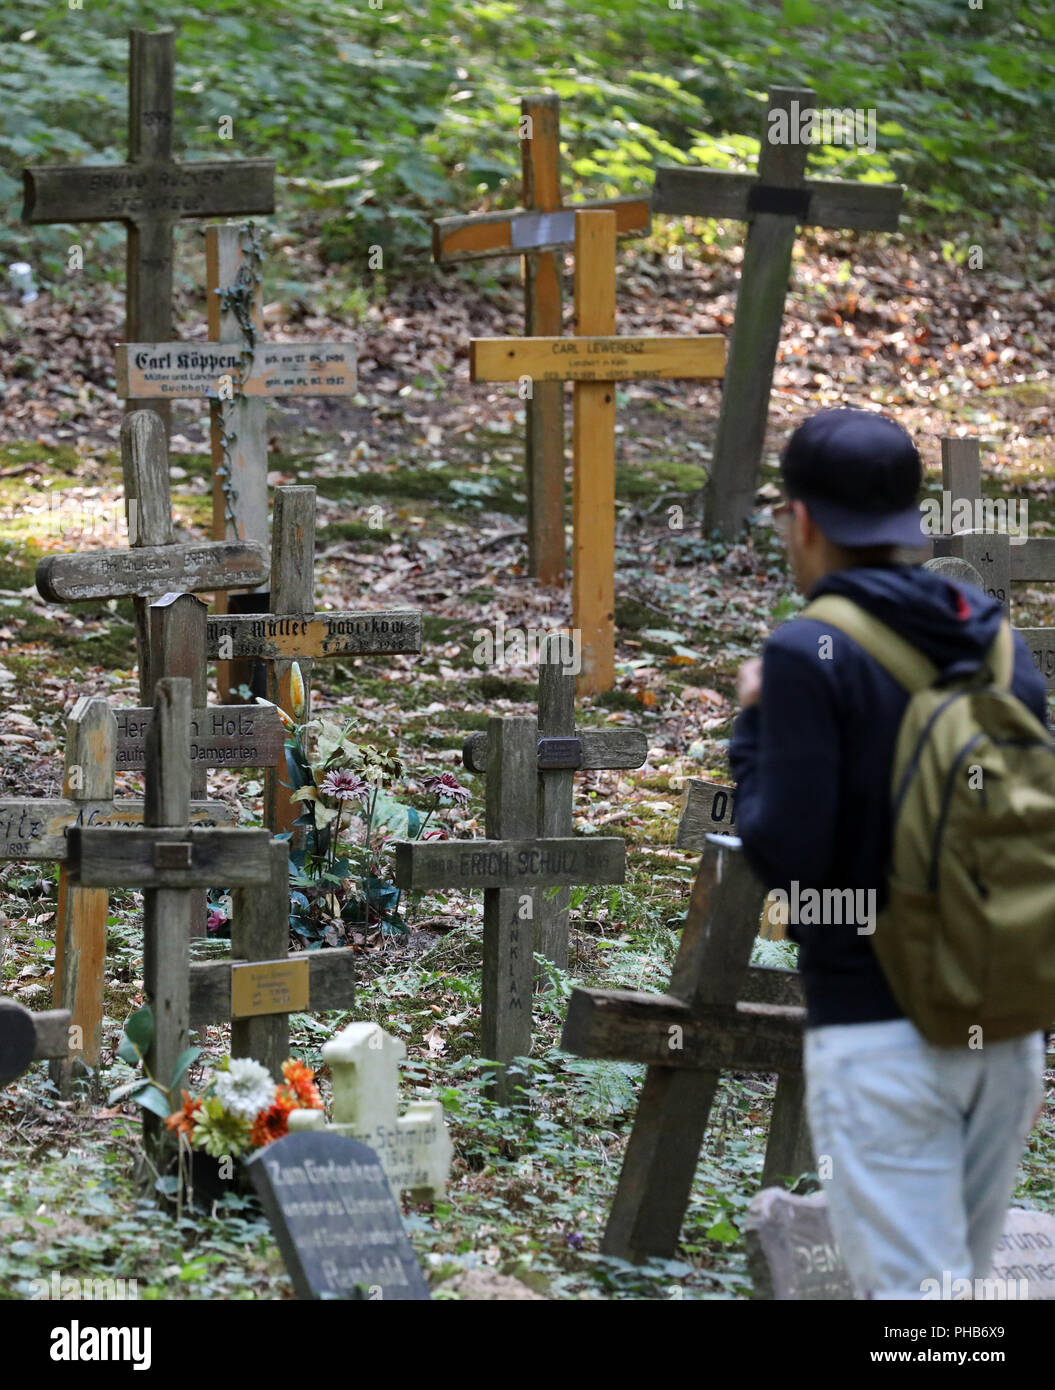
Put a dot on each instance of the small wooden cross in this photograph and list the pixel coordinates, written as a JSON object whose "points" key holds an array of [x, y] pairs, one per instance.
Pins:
{"points": [[595, 360], [294, 632], [155, 563], [264, 982], [237, 372], [36, 830], [151, 192], [513, 866], [563, 750], [721, 1014], [167, 859], [539, 231], [27, 1037], [774, 202]]}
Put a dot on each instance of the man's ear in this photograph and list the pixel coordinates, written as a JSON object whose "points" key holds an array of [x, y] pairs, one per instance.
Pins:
{"points": [[805, 527]]}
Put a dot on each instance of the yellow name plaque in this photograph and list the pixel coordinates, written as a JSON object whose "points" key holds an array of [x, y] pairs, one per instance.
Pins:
{"points": [[269, 987]]}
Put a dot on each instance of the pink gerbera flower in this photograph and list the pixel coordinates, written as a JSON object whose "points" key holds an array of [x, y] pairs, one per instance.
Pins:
{"points": [[446, 787], [345, 786]]}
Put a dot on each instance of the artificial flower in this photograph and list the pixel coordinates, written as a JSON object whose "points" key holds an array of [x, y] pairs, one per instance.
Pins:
{"points": [[244, 1088], [182, 1120], [301, 1081], [345, 786], [446, 787], [220, 1132], [273, 1123]]}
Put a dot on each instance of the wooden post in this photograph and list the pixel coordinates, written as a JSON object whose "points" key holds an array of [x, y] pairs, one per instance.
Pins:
{"points": [[544, 412], [150, 193], [237, 427], [292, 591], [764, 277], [593, 455], [148, 510], [80, 921], [260, 932], [556, 791], [177, 649], [509, 913], [166, 911]]}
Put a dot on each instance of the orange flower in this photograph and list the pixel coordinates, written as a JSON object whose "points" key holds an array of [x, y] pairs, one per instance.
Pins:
{"points": [[301, 1080], [274, 1123], [182, 1120]]}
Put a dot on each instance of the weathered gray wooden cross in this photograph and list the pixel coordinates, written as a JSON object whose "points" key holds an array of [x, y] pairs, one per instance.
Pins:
{"points": [[168, 859], [293, 631], [562, 751], [514, 865], [237, 372], [151, 192], [999, 559], [155, 563], [36, 830], [539, 232], [774, 203], [721, 1014]]}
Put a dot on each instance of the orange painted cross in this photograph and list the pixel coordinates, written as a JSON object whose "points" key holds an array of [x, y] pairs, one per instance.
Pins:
{"points": [[538, 231], [594, 360]]}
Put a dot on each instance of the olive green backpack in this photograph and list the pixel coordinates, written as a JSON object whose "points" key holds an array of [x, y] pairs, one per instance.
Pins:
{"points": [[967, 940]]}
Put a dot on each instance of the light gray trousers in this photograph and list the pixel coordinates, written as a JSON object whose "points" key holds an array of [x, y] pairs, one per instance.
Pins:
{"points": [[918, 1148]]}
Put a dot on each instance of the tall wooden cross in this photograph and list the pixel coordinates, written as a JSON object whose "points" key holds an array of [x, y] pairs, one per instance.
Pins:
{"points": [[151, 192], [292, 631], [595, 360], [775, 202], [562, 751], [513, 866], [155, 563], [721, 1015], [167, 859], [38, 829], [539, 231]]}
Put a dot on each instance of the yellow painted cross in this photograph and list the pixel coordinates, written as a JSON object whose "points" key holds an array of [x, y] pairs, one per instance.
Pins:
{"points": [[594, 360]]}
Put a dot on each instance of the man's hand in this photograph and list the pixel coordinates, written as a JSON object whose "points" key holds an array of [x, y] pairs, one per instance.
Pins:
{"points": [[749, 682]]}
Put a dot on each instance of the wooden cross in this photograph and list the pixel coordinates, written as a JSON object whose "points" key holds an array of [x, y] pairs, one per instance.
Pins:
{"points": [[775, 202], [167, 858], [539, 231], [998, 561], [151, 192], [27, 1037], [263, 982], [513, 865], [155, 563], [562, 751], [721, 1014], [294, 632], [237, 372], [36, 830], [595, 360]]}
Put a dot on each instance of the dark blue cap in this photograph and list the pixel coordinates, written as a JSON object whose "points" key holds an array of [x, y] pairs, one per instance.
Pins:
{"points": [[859, 475]]}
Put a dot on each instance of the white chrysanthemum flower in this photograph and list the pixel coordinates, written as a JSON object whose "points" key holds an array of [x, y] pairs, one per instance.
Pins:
{"points": [[245, 1088]]}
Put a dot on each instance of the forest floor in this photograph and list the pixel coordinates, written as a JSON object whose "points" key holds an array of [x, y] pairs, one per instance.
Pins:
{"points": [[421, 503]]}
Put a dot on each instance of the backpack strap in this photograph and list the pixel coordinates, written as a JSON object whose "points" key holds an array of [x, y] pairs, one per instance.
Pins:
{"points": [[1000, 657], [900, 659]]}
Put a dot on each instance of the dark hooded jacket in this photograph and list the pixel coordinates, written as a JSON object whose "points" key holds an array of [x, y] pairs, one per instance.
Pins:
{"points": [[812, 761]]}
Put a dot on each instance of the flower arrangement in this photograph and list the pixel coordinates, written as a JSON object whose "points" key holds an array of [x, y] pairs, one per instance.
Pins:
{"points": [[339, 880], [242, 1108]]}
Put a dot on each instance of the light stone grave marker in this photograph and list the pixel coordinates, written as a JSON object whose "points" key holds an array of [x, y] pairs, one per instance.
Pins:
{"points": [[792, 1253], [414, 1148]]}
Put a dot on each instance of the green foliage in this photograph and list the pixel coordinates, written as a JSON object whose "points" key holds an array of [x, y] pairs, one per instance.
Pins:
{"points": [[382, 118]]}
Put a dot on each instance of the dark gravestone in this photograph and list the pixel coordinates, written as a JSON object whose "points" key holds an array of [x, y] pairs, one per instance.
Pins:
{"points": [[335, 1220], [18, 1041]]}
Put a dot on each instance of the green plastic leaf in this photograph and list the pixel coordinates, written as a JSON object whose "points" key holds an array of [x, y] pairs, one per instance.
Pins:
{"points": [[137, 1036], [154, 1100], [187, 1057]]}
